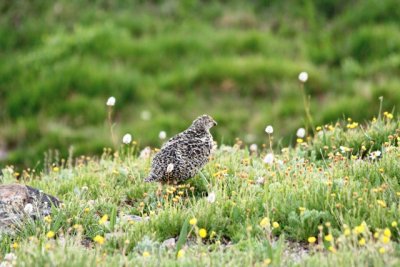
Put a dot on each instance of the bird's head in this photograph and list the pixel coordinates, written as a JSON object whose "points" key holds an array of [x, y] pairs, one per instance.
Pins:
{"points": [[204, 122]]}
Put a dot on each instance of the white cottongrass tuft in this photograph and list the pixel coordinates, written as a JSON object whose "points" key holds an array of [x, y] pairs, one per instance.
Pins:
{"points": [[269, 158], [162, 135], [269, 129], [375, 154], [303, 76], [110, 101], [301, 132], [170, 168], [253, 147], [127, 139], [260, 180], [211, 197]]}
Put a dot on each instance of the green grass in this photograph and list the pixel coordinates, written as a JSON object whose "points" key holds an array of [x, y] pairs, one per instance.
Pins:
{"points": [[316, 189], [59, 62]]}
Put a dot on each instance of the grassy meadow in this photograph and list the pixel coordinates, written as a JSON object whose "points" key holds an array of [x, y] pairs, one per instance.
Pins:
{"points": [[167, 62], [321, 189], [318, 203]]}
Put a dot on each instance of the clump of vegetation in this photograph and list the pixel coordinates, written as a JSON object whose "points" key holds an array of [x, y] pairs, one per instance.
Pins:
{"points": [[250, 206]]}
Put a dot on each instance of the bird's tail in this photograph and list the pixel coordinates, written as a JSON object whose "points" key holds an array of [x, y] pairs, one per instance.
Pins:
{"points": [[151, 178]]}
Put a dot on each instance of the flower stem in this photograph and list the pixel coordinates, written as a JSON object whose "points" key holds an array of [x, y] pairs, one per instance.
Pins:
{"points": [[306, 102]]}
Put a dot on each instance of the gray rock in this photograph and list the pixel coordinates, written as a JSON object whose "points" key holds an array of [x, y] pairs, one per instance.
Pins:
{"points": [[169, 243]]}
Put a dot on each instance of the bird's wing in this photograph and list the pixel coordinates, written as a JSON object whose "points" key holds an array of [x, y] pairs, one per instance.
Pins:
{"points": [[194, 148], [173, 140]]}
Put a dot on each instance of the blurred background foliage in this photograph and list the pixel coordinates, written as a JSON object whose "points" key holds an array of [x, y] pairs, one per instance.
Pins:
{"points": [[167, 62]]}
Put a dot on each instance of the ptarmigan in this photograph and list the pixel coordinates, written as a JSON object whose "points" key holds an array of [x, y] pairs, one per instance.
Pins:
{"points": [[182, 156]]}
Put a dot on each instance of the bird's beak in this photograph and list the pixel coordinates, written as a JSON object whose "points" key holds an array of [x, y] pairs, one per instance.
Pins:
{"points": [[215, 123]]}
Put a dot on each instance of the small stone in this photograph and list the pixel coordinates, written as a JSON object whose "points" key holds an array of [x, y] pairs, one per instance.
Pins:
{"points": [[169, 243]]}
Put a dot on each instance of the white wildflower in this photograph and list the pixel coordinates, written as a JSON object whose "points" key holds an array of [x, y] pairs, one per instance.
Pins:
{"points": [[111, 101], [127, 139], [375, 154], [170, 168], [260, 180], [269, 158], [303, 76], [253, 147], [269, 129], [301, 132], [162, 135], [211, 197]]}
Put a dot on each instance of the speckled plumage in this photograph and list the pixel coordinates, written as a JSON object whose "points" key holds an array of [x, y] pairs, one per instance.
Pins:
{"points": [[182, 156]]}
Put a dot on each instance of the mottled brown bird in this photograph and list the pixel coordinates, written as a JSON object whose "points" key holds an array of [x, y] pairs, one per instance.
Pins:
{"points": [[182, 156]]}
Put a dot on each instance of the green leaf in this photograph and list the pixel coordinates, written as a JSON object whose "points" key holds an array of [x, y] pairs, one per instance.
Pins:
{"points": [[183, 235]]}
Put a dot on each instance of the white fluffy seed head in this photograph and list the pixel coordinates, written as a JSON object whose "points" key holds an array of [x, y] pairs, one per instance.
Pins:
{"points": [[269, 129], [127, 139], [211, 197], [301, 132], [170, 168], [269, 159], [110, 101], [375, 154], [303, 76], [253, 147], [162, 135]]}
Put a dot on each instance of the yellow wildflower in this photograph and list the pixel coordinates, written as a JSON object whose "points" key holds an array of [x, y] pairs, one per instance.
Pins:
{"points": [[193, 221], [99, 239], [103, 219], [299, 140], [275, 225], [331, 249], [180, 254], [359, 229], [15, 245], [382, 250], [312, 240], [267, 262], [50, 234], [394, 224], [329, 238], [203, 233], [146, 254], [362, 242], [265, 222], [385, 239], [387, 232], [347, 232], [47, 219]]}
